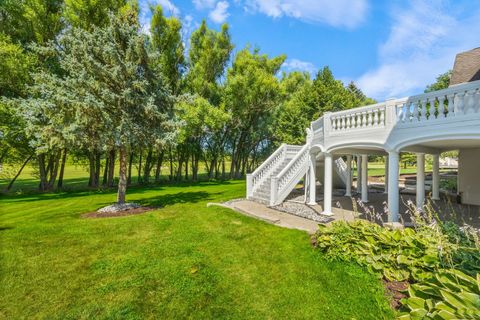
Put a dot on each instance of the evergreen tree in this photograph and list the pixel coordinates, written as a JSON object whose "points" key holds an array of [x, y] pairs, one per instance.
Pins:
{"points": [[104, 96]]}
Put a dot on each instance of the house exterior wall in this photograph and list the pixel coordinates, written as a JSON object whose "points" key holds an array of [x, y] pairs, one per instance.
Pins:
{"points": [[469, 176]]}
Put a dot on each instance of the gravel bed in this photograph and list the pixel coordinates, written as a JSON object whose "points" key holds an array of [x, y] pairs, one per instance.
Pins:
{"points": [[301, 210], [119, 207]]}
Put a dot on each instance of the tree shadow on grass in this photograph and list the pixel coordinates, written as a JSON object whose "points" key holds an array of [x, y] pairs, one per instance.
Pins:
{"points": [[179, 198]]}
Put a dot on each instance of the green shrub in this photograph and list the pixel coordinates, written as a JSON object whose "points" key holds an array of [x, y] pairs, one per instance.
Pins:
{"points": [[450, 294], [395, 254]]}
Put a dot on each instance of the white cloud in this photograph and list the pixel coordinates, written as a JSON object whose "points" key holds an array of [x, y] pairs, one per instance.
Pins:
{"points": [[299, 65], [423, 41], [202, 4], [338, 13], [219, 14]]}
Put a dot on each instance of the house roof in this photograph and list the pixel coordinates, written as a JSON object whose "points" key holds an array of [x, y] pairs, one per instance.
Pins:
{"points": [[466, 67]]}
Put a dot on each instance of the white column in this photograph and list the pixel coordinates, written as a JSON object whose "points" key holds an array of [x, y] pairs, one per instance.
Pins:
{"points": [[393, 191], [312, 181], [327, 186], [386, 175], [348, 188], [364, 178], [359, 174], [436, 177], [420, 179]]}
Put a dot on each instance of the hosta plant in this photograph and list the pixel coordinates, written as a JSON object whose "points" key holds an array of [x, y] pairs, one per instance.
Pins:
{"points": [[450, 294], [394, 254]]}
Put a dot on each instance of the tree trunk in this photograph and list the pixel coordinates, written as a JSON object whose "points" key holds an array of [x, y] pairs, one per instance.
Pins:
{"points": [[130, 162], [111, 168], [18, 173], [43, 175], [158, 170], [105, 172], [139, 177], [147, 168], [122, 176], [170, 177], [97, 167], [62, 169]]}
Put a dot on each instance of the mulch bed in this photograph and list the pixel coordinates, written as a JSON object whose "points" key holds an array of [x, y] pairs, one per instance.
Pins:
{"points": [[395, 290], [95, 214]]}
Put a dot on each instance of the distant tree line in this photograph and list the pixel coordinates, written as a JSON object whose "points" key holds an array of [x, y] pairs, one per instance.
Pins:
{"points": [[81, 79]]}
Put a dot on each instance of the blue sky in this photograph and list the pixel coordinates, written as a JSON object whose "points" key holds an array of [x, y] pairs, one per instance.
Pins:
{"points": [[389, 48]]}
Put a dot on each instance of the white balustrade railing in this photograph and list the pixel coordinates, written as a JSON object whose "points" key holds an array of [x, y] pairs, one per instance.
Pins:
{"points": [[317, 125], [455, 101], [282, 184], [459, 100], [364, 117], [256, 178]]}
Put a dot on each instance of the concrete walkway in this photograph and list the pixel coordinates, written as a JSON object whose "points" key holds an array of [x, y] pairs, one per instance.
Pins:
{"points": [[286, 220]]}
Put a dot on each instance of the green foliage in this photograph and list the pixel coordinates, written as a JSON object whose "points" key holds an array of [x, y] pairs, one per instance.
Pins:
{"points": [[395, 254], [306, 100], [443, 81], [15, 66], [87, 14], [209, 54], [199, 117], [167, 42], [31, 20], [449, 294]]}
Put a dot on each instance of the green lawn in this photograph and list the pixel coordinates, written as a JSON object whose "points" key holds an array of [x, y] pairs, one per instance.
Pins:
{"points": [[183, 260]]}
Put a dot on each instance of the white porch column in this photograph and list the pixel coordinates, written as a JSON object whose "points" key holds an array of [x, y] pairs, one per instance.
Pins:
{"points": [[327, 186], [420, 179], [359, 174], [386, 175], [393, 191], [312, 180], [348, 189], [364, 178], [436, 177]]}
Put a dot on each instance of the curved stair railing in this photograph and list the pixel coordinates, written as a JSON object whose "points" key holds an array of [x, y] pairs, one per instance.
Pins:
{"points": [[255, 179], [285, 181], [341, 169]]}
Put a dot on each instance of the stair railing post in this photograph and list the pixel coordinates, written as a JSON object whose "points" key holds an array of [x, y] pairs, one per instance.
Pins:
{"points": [[249, 185], [273, 191]]}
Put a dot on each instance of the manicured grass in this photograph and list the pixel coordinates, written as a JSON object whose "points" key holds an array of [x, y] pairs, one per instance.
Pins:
{"points": [[183, 260]]}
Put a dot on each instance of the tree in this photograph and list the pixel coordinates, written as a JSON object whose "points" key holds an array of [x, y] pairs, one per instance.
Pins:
{"points": [[106, 95], [167, 43], [209, 54], [442, 82], [252, 92], [310, 101], [87, 14], [29, 21]]}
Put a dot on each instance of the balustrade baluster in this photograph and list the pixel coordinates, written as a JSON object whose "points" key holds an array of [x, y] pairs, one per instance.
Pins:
{"points": [[382, 116], [349, 123], [451, 105], [441, 107], [477, 100], [470, 101], [415, 110], [342, 122], [459, 103], [423, 110], [375, 117], [364, 119], [369, 118], [432, 110]]}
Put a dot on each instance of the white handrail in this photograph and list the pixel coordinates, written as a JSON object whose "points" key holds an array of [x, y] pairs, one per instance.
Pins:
{"points": [[281, 184]]}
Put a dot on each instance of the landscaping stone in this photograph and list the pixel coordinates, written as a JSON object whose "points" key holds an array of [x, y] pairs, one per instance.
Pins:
{"points": [[116, 207]]}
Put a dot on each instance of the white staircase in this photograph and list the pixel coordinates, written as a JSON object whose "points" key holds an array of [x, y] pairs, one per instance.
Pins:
{"points": [[273, 181]]}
